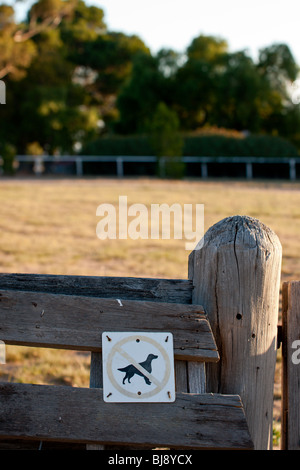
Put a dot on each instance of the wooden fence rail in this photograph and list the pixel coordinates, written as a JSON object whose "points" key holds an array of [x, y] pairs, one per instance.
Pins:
{"points": [[77, 322], [80, 415], [224, 322]]}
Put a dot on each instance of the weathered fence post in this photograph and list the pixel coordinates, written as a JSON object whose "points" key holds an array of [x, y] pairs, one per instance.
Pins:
{"points": [[236, 278], [290, 412]]}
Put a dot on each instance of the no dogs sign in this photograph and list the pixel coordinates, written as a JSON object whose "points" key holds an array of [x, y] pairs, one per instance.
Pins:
{"points": [[138, 367]]}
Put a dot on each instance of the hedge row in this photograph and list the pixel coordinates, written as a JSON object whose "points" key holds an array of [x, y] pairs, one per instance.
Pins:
{"points": [[251, 146], [204, 145], [119, 145]]}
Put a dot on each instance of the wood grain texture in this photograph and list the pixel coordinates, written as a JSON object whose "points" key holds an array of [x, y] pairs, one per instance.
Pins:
{"points": [[96, 375], [236, 276], [80, 415], [130, 288], [96, 381], [181, 378], [77, 322], [196, 377], [290, 431]]}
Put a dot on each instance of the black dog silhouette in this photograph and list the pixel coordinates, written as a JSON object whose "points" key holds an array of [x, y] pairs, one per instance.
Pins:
{"points": [[130, 370]]}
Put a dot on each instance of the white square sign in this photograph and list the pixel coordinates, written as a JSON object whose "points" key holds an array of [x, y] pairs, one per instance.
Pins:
{"points": [[138, 367]]}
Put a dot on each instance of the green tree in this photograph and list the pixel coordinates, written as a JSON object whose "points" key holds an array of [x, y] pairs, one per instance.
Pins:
{"points": [[46, 106], [197, 81], [67, 88], [17, 49], [167, 141], [169, 62], [215, 87], [243, 97], [139, 97], [114, 64], [15, 56], [102, 59], [69, 79], [7, 159], [278, 67], [195, 93], [207, 48], [277, 63]]}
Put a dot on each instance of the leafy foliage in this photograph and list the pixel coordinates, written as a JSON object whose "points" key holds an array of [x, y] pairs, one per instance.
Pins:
{"points": [[70, 80], [167, 141]]}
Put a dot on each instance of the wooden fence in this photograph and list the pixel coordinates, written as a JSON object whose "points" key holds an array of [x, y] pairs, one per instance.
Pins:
{"points": [[224, 319], [203, 167]]}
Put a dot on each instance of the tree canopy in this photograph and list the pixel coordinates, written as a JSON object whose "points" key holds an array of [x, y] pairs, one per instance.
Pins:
{"points": [[69, 80]]}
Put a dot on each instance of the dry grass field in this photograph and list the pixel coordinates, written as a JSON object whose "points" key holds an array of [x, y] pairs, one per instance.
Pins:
{"points": [[49, 226]]}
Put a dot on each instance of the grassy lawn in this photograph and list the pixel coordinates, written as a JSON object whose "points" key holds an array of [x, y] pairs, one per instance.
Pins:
{"points": [[49, 226]]}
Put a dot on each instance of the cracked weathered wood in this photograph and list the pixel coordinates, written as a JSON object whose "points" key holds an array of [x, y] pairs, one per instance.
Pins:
{"points": [[77, 322], [96, 381], [130, 288], [74, 414], [236, 277]]}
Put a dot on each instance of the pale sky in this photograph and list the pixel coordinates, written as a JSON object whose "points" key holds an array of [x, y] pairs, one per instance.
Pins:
{"points": [[173, 24]]}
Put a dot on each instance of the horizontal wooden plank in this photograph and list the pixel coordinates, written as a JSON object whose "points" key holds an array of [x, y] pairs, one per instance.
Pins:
{"points": [[130, 288], [60, 413], [77, 322]]}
